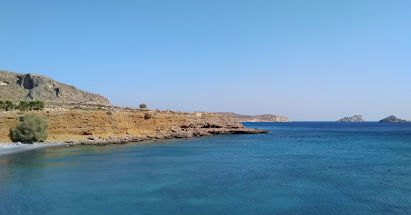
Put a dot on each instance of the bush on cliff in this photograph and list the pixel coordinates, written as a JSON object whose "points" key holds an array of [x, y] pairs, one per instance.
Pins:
{"points": [[147, 116], [31, 128], [9, 105], [22, 106], [143, 105], [36, 105]]}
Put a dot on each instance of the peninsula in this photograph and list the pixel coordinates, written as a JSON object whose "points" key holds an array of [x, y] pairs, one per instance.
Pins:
{"points": [[79, 117], [256, 118]]}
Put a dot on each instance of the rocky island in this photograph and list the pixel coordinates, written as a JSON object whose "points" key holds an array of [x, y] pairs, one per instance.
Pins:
{"points": [[79, 117], [355, 118], [256, 118], [393, 119]]}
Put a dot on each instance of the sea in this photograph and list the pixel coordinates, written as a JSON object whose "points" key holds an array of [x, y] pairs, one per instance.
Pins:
{"points": [[297, 168]]}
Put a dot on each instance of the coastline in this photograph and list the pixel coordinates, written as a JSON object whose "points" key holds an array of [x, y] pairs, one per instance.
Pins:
{"points": [[7, 149]]}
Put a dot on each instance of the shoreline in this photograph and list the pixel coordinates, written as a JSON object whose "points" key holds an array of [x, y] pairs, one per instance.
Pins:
{"points": [[7, 149]]}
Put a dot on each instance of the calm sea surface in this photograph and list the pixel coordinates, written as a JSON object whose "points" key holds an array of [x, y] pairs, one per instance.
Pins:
{"points": [[298, 168]]}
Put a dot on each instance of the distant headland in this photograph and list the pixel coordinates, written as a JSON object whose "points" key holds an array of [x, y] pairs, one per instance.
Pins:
{"points": [[256, 118]]}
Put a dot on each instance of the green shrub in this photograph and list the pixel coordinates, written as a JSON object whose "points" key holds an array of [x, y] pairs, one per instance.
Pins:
{"points": [[36, 105], [143, 105], [9, 105], [147, 116], [23, 106], [31, 128]]}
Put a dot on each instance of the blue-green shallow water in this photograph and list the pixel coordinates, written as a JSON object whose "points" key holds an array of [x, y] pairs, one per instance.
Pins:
{"points": [[298, 168]]}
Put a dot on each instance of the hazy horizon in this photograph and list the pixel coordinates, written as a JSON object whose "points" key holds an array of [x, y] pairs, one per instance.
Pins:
{"points": [[306, 60]]}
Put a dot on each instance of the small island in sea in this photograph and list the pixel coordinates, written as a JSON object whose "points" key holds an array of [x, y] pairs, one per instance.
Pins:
{"points": [[393, 119], [355, 118]]}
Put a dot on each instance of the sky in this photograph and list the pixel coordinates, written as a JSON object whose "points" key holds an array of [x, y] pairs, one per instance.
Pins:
{"points": [[316, 60]]}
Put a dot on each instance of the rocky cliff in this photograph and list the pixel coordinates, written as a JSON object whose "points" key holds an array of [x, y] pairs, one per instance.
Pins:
{"points": [[256, 118], [393, 119], [355, 118], [16, 87], [102, 126]]}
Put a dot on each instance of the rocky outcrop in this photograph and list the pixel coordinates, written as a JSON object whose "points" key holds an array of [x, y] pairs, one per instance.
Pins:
{"points": [[393, 119], [120, 125], [355, 118], [256, 118], [17, 87]]}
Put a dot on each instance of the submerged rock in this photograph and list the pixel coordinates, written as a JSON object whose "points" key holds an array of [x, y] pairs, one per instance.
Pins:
{"points": [[355, 118], [393, 118]]}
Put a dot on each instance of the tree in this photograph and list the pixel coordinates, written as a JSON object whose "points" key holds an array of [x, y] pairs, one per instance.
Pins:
{"points": [[31, 128], [143, 105]]}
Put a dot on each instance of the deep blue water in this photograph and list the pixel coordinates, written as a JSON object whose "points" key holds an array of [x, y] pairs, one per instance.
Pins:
{"points": [[298, 168]]}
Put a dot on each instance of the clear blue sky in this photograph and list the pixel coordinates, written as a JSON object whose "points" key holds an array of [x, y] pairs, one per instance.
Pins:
{"points": [[307, 60]]}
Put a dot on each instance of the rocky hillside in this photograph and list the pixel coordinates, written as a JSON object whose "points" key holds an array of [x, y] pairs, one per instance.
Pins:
{"points": [[393, 119], [256, 118], [355, 118], [17, 87], [111, 125]]}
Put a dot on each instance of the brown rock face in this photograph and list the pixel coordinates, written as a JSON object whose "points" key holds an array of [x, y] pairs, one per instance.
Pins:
{"points": [[102, 126], [256, 118], [16, 87]]}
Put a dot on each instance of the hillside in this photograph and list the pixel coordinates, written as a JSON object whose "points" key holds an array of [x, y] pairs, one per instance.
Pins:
{"points": [[111, 125], [256, 118], [17, 87]]}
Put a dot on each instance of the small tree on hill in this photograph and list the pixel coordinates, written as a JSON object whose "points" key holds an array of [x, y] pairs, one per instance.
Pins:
{"points": [[147, 116], [32, 128], [143, 105]]}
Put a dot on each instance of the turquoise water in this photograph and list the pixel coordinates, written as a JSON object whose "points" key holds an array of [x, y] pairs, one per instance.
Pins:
{"points": [[298, 168]]}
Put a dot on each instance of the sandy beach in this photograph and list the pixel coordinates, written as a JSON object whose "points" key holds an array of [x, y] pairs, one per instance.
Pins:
{"points": [[13, 148]]}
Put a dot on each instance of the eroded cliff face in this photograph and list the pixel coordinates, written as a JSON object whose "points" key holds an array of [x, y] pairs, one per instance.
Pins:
{"points": [[17, 87], [95, 126]]}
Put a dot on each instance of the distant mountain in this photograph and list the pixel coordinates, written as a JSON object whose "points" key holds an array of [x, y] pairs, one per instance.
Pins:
{"points": [[256, 118], [394, 119], [355, 118], [17, 87]]}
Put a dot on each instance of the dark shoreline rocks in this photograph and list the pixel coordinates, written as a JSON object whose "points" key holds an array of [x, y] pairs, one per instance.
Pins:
{"points": [[187, 134], [393, 119], [355, 118]]}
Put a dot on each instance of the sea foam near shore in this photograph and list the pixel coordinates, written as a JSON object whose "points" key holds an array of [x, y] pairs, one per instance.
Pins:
{"points": [[13, 148]]}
